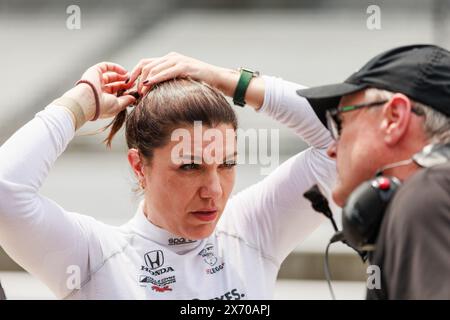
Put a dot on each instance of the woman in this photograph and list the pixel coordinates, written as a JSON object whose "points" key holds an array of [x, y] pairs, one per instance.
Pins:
{"points": [[175, 247]]}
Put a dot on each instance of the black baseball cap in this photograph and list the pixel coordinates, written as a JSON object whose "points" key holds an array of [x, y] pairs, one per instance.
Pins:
{"points": [[422, 72]]}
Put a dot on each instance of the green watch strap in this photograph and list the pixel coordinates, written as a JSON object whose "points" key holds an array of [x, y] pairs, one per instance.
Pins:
{"points": [[241, 87]]}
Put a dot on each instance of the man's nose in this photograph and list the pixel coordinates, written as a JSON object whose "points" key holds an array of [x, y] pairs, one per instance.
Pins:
{"points": [[332, 150]]}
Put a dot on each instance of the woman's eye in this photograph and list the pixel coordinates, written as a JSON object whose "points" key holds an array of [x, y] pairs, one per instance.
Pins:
{"points": [[189, 166], [229, 165]]}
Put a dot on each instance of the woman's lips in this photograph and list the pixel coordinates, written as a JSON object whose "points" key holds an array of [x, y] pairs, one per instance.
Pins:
{"points": [[205, 215]]}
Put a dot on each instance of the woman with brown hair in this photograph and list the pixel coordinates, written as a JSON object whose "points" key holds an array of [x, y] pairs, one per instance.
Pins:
{"points": [[187, 239]]}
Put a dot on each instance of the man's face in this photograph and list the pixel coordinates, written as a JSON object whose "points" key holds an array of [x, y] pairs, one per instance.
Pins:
{"points": [[359, 148]]}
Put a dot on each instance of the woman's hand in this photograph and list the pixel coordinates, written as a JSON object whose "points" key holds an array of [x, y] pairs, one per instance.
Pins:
{"points": [[107, 78], [174, 65]]}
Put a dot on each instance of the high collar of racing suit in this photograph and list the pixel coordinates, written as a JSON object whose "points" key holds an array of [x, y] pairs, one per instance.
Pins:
{"points": [[172, 242]]}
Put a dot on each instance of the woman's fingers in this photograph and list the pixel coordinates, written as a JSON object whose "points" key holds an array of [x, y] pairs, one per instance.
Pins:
{"points": [[138, 68], [151, 69], [172, 65], [146, 69], [125, 101], [111, 66], [160, 77], [103, 73], [114, 87], [110, 77]]}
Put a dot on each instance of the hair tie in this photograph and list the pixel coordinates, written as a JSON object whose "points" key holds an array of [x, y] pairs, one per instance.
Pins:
{"points": [[97, 100]]}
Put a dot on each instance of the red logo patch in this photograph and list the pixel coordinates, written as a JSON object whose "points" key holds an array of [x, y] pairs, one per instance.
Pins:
{"points": [[161, 289]]}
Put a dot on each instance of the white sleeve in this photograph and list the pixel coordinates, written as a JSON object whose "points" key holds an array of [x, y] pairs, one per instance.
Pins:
{"points": [[273, 214], [282, 103], [37, 233]]}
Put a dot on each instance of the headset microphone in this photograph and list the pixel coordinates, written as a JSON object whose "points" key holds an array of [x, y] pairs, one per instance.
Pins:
{"points": [[320, 203]]}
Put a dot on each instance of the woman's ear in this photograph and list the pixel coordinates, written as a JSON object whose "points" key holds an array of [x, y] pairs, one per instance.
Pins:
{"points": [[136, 163], [396, 119]]}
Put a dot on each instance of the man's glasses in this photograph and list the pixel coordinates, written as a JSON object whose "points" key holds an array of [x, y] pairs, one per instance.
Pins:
{"points": [[334, 122]]}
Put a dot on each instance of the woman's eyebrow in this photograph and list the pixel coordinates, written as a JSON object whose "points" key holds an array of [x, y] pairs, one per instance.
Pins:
{"points": [[197, 159], [191, 157], [230, 156]]}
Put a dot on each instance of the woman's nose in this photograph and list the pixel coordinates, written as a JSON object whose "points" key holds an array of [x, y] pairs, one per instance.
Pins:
{"points": [[212, 187]]}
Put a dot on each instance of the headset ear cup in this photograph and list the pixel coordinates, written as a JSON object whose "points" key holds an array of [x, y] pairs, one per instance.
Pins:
{"points": [[364, 210]]}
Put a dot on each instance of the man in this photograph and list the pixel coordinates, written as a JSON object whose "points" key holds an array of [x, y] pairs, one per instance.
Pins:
{"points": [[388, 111]]}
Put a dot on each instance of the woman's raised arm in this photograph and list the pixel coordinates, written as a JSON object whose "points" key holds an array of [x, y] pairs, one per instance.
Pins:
{"points": [[45, 239]]}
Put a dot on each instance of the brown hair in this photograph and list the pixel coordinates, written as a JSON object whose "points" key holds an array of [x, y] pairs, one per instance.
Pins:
{"points": [[169, 105]]}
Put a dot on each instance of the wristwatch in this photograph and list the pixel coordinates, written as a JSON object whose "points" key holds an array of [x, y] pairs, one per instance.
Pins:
{"points": [[242, 85]]}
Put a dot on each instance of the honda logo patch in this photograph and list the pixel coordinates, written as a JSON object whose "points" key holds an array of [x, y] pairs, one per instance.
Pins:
{"points": [[154, 259]]}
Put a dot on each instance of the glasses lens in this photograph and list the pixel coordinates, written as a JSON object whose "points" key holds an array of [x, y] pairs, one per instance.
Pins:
{"points": [[332, 125]]}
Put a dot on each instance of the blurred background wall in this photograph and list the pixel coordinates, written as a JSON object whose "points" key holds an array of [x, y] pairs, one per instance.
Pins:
{"points": [[305, 41]]}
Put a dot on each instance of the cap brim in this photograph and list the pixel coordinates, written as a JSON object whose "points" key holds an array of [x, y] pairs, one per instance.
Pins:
{"points": [[327, 97]]}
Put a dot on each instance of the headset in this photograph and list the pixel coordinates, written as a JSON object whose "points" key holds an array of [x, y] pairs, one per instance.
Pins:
{"points": [[366, 205], [364, 209]]}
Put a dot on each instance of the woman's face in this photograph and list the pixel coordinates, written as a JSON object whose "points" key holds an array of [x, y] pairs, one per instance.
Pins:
{"points": [[188, 181]]}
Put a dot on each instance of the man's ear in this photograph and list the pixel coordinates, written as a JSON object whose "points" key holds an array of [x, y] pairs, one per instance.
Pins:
{"points": [[396, 119], [136, 162]]}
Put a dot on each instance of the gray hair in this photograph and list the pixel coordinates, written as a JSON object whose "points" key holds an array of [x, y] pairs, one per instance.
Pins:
{"points": [[436, 125]]}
